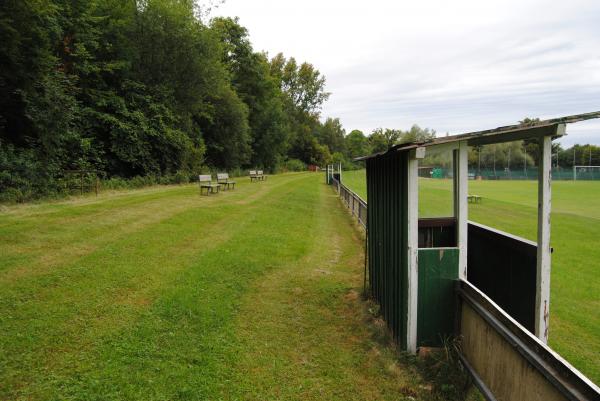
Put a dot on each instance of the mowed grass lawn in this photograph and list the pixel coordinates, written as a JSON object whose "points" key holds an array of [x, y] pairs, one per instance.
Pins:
{"points": [[160, 294], [575, 283]]}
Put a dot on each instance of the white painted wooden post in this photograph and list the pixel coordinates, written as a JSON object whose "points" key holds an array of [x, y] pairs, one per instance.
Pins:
{"points": [[413, 248], [461, 206], [542, 291]]}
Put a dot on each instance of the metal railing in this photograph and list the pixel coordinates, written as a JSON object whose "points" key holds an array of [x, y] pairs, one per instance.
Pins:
{"points": [[356, 205]]}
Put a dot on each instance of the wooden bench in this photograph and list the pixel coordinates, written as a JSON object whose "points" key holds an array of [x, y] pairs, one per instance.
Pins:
{"points": [[261, 175], [474, 198], [253, 176], [206, 183], [223, 179]]}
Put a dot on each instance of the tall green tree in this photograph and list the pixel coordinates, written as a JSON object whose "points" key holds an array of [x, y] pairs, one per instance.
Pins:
{"points": [[252, 80], [332, 134], [383, 139], [356, 144], [304, 94]]}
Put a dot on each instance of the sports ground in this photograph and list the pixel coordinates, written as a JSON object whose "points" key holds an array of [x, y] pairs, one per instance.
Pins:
{"points": [[162, 294], [511, 206], [251, 294]]}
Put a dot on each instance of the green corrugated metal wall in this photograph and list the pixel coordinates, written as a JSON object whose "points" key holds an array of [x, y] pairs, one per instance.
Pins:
{"points": [[387, 227]]}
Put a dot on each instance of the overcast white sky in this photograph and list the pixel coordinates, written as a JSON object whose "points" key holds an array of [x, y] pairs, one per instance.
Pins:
{"points": [[454, 66]]}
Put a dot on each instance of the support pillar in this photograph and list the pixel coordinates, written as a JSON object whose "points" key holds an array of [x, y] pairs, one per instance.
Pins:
{"points": [[413, 247], [542, 291], [461, 209]]}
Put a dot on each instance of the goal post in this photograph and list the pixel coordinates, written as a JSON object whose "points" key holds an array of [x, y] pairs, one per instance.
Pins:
{"points": [[586, 173]]}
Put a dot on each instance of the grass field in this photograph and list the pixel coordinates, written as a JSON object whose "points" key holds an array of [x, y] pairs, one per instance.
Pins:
{"points": [[575, 283], [160, 294]]}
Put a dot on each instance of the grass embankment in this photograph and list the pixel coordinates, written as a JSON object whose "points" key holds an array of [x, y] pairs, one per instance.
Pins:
{"points": [[575, 283], [162, 294]]}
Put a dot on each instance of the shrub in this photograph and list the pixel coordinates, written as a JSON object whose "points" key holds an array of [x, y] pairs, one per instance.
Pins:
{"points": [[294, 165]]}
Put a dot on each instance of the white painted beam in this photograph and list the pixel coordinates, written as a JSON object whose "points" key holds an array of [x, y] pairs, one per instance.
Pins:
{"points": [[413, 249], [542, 293], [461, 210]]}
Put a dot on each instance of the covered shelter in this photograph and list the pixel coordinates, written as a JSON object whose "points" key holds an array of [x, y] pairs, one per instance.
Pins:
{"points": [[414, 263]]}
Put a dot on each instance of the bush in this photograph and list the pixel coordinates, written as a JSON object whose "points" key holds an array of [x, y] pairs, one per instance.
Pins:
{"points": [[181, 177], [293, 165], [24, 177]]}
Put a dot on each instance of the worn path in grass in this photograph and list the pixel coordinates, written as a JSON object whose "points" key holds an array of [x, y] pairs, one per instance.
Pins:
{"points": [[575, 283], [162, 294]]}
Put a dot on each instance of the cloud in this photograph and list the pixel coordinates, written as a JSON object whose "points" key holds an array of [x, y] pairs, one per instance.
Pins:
{"points": [[453, 66]]}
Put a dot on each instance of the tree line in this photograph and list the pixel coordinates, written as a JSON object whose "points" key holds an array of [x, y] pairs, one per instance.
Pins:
{"points": [[146, 88], [152, 91], [520, 155]]}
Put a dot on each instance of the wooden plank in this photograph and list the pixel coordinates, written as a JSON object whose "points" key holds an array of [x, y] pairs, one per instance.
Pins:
{"points": [[506, 373], [542, 295], [513, 363], [413, 252], [461, 208], [426, 222]]}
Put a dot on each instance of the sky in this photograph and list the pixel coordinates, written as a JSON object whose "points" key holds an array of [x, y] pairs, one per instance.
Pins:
{"points": [[453, 66]]}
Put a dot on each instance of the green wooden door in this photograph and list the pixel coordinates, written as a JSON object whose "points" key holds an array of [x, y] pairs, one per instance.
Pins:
{"points": [[438, 270]]}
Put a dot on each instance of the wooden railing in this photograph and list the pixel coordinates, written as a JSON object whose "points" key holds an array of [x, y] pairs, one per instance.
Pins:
{"points": [[506, 361]]}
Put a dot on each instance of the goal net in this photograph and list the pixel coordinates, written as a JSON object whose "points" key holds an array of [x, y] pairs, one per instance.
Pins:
{"points": [[586, 172]]}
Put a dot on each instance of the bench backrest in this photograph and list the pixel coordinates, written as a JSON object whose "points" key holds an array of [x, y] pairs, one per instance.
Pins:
{"points": [[259, 172], [205, 178], [252, 172], [222, 176]]}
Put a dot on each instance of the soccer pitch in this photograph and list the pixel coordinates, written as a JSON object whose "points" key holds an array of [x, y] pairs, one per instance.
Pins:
{"points": [[575, 284]]}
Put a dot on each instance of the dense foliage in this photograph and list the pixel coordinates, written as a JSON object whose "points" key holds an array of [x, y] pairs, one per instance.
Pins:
{"points": [[144, 88]]}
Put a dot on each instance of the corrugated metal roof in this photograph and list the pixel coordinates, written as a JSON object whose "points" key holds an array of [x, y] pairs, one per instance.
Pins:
{"points": [[496, 135]]}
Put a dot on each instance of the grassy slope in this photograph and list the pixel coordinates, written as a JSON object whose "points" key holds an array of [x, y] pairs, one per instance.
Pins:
{"points": [[162, 294], [575, 283]]}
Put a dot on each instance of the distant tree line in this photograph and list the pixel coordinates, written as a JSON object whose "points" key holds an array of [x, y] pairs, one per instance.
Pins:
{"points": [[523, 154], [520, 155]]}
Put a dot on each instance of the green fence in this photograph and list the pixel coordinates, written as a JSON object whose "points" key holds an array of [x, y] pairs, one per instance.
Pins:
{"points": [[530, 173]]}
